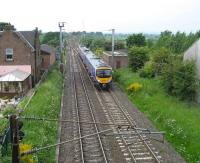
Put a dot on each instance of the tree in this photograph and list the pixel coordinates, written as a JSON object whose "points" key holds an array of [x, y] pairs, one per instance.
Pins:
{"points": [[179, 79], [137, 57], [159, 59], [118, 45], [4, 24], [51, 38], [136, 40]]}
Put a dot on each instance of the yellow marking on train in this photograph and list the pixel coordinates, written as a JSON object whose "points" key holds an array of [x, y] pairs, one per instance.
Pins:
{"points": [[104, 80]]}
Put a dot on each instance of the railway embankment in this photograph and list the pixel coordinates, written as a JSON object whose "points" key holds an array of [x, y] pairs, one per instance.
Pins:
{"points": [[180, 120], [45, 103]]}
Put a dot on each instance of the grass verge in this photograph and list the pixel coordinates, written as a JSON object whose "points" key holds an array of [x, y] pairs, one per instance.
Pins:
{"points": [[179, 119], [45, 103]]}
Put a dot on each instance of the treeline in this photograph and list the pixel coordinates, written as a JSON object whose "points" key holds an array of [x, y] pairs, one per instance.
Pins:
{"points": [[50, 38], [163, 58], [100, 42]]}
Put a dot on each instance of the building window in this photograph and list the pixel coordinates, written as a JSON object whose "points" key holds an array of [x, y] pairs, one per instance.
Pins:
{"points": [[9, 54]]}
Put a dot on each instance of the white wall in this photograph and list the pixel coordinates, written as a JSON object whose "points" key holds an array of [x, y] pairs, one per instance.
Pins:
{"points": [[193, 53]]}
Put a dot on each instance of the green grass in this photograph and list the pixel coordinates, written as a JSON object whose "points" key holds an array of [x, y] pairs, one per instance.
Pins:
{"points": [[45, 103], [179, 119]]}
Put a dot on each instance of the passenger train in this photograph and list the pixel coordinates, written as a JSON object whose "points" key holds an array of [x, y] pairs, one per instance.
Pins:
{"points": [[99, 71]]}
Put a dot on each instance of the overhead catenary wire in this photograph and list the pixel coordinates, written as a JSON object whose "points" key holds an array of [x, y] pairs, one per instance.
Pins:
{"points": [[63, 142], [71, 121]]}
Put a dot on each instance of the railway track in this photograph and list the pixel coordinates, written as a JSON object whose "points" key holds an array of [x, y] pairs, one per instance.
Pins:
{"points": [[135, 146], [89, 149]]}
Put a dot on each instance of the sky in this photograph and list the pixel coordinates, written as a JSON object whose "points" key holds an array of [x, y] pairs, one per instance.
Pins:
{"points": [[125, 16]]}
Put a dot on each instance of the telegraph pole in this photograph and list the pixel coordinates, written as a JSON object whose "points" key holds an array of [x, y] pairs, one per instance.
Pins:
{"points": [[14, 138], [113, 46], [61, 25]]}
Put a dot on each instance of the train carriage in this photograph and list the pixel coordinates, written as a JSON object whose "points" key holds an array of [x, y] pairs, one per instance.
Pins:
{"points": [[99, 71]]}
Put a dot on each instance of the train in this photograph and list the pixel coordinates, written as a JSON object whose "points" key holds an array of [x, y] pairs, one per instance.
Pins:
{"points": [[98, 70]]}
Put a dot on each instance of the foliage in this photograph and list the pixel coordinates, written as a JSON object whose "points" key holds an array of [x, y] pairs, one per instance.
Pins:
{"points": [[159, 59], [4, 24], [86, 40], [99, 52], [134, 87], [97, 43], [9, 110], [25, 158], [46, 103], [177, 43], [179, 79], [137, 57], [179, 120], [118, 45], [51, 38], [147, 71], [136, 40]]}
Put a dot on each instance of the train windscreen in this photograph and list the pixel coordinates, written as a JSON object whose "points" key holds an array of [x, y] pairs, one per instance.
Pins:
{"points": [[104, 73]]}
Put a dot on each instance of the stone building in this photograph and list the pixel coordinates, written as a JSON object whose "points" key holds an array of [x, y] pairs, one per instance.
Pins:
{"points": [[120, 58]]}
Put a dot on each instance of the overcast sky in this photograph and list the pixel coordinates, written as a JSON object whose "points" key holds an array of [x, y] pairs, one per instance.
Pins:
{"points": [[126, 16]]}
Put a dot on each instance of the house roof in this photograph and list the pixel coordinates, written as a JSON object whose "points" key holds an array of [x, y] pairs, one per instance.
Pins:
{"points": [[26, 36], [47, 49], [16, 75], [119, 53], [7, 69]]}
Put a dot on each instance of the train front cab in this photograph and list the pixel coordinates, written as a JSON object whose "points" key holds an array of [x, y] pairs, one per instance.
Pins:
{"points": [[104, 77]]}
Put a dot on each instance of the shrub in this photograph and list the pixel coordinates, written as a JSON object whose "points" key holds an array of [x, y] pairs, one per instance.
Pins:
{"points": [[134, 87], [179, 79], [159, 59], [9, 110], [137, 57], [25, 158], [116, 76], [147, 71]]}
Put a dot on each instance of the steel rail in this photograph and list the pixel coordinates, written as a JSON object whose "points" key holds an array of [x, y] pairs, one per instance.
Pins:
{"points": [[77, 113], [92, 115], [133, 158], [134, 123], [131, 124], [118, 130]]}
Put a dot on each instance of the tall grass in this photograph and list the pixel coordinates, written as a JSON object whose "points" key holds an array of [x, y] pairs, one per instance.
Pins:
{"points": [[179, 119], [45, 103]]}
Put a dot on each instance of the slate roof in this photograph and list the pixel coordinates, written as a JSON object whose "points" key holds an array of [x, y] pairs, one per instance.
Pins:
{"points": [[47, 49], [27, 36]]}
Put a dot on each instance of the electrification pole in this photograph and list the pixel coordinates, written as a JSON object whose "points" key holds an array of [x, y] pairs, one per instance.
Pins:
{"points": [[113, 46], [61, 25]]}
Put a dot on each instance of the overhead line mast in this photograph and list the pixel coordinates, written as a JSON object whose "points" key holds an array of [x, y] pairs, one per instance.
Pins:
{"points": [[61, 25]]}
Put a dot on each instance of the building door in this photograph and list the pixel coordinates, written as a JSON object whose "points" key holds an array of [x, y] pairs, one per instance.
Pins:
{"points": [[118, 64]]}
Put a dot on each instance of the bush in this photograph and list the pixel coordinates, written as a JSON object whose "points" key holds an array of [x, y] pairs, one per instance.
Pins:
{"points": [[134, 87], [179, 79], [9, 110], [137, 57], [25, 158], [160, 58], [147, 71], [116, 76]]}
